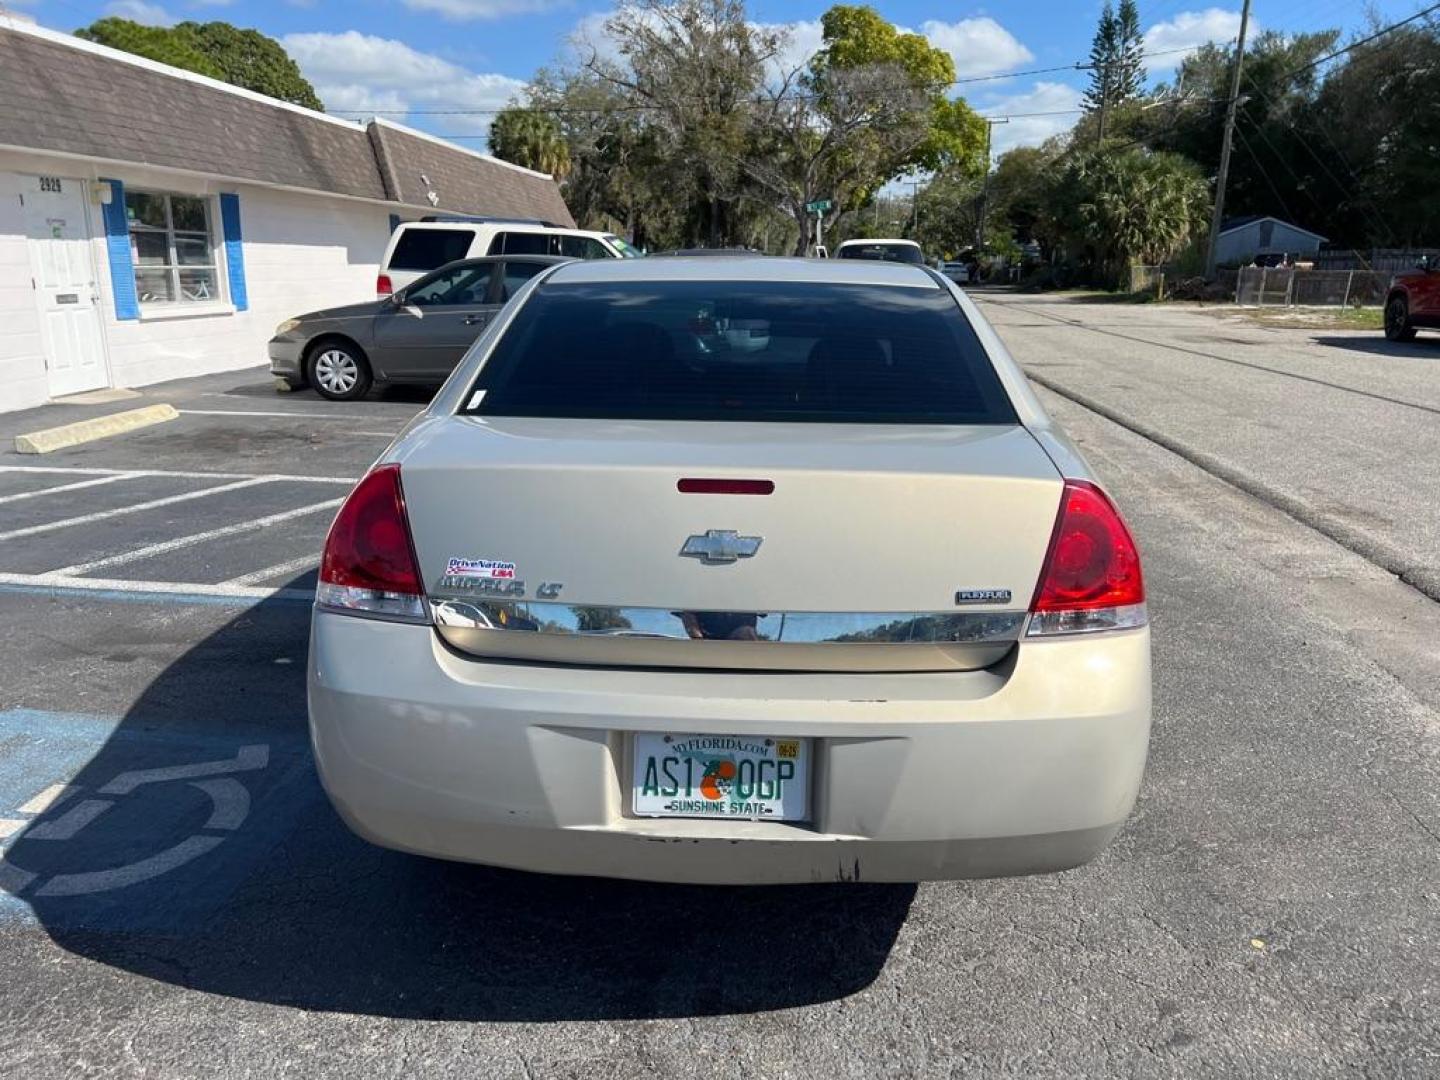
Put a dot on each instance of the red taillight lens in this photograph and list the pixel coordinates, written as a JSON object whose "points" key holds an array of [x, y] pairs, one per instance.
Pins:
{"points": [[369, 563], [383, 286], [1091, 579]]}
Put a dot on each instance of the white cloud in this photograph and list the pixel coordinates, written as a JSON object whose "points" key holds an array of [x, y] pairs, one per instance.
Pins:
{"points": [[141, 12], [1023, 130], [463, 10], [1188, 31], [979, 46], [355, 72], [803, 40]]}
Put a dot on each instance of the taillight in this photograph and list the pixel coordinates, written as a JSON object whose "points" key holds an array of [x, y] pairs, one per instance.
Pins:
{"points": [[383, 286], [1091, 579], [369, 565]]}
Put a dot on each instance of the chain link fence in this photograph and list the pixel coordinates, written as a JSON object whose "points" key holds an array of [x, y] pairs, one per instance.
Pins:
{"points": [[1263, 286]]}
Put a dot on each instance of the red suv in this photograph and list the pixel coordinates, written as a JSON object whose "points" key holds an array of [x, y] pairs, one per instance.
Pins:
{"points": [[1414, 301]]}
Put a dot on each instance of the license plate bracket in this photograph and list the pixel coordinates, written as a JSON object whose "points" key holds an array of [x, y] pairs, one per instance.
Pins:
{"points": [[731, 777]]}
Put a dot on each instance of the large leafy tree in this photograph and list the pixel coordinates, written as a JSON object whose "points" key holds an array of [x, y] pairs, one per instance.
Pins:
{"points": [[532, 138], [690, 69], [240, 56], [158, 43], [871, 105], [1374, 127], [1274, 169]]}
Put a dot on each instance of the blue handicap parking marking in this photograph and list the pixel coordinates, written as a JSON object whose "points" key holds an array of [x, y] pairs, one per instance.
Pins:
{"points": [[105, 823]]}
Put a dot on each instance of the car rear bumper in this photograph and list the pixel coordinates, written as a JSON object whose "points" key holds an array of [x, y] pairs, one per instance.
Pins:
{"points": [[286, 359], [1027, 767]]}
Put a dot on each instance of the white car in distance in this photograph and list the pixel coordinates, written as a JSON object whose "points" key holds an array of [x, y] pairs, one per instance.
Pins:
{"points": [[734, 571]]}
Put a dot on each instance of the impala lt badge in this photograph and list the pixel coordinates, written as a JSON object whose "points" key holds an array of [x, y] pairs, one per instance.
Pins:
{"points": [[720, 546]]}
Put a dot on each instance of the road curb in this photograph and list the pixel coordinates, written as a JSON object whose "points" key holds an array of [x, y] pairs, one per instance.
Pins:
{"points": [[1421, 578], [97, 427]]}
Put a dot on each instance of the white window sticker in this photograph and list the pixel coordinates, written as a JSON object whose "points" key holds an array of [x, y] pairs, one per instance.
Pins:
{"points": [[490, 569]]}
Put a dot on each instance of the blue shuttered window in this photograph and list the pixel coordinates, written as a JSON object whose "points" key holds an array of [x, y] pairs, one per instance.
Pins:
{"points": [[117, 247], [234, 250]]}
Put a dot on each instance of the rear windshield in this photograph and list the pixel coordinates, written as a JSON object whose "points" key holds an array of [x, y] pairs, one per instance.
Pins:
{"points": [[906, 253], [426, 249], [684, 350]]}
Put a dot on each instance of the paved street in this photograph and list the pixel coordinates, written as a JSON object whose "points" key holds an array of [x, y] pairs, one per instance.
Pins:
{"points": [[1342, 428], [182, 902]]}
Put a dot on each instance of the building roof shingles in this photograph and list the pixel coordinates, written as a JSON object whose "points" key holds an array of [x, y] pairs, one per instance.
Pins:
{"points": [[76, 101]]}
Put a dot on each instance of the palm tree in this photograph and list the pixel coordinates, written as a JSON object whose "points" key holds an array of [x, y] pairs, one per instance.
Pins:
{"points": [[530, 138]]}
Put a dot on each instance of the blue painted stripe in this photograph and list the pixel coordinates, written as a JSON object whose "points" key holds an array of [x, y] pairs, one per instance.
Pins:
{"points": [[117, 247], [234, 250]]}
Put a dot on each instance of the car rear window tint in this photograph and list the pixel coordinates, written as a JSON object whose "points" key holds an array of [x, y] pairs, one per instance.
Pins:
{"points": [[882, 253], [425, 249], [684, 350]]}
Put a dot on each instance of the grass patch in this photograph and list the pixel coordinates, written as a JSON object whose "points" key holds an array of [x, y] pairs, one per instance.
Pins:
{"points": [[1301, 318]]}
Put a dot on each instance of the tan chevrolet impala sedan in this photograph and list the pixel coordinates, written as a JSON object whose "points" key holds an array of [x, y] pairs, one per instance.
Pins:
{"points": [[734, 570]]}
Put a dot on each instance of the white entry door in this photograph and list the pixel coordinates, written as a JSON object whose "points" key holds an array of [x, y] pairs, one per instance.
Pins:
{"points": [[66, 289]]}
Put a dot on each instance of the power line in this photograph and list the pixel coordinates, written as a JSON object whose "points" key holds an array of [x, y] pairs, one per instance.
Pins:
{"points": [[646, 107], [1266, 174], [1363, 41]]}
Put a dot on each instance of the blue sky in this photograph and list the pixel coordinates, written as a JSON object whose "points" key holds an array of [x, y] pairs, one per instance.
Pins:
{"points": [[402, 57]]}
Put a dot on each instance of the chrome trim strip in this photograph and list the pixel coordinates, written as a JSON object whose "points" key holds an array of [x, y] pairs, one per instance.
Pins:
{"points": [[789, 641]]}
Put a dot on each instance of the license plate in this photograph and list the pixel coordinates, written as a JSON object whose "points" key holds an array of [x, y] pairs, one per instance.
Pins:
{"points": [[721, 776]]}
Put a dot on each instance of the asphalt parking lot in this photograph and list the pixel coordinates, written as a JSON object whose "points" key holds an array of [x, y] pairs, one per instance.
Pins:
{"points": [[177, 899], [231, 499]]}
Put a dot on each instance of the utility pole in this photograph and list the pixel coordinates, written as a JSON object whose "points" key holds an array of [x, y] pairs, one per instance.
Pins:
{"points": [[915, 208], [1229, 136], [985, 186]]}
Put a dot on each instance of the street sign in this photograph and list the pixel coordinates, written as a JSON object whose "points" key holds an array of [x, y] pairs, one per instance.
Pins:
{"points": [[819, 206]]}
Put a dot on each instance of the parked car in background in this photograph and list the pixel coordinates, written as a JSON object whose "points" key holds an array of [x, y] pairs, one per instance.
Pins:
{"points": [[904, 251], [417, 247], [1414, 301], [734, 570], [416, 335], [958, 272]]}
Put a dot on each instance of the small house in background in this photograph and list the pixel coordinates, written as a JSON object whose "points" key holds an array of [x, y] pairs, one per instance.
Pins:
{"points": [[1243, 239], [155, 223]]}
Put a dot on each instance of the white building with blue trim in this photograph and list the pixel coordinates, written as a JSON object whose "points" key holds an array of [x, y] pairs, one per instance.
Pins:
{"points": [[156, 224]]}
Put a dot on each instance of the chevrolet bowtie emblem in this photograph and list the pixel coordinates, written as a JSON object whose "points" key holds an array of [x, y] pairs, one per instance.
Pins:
{"points": [[721, 546]]}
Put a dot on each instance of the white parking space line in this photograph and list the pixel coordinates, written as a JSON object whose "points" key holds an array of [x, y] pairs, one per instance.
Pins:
{"points": [[292, 566], [152, 504], [166, 546], [10, 826], [96, 482], [178, 474], [183, 589], [287, 415], [47, 798]]}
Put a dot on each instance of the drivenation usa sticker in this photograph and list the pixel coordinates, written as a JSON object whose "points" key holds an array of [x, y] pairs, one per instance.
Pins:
{"points": [[490, 569]]}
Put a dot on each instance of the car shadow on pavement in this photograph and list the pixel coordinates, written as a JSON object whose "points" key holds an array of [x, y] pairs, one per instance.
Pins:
{"points": [[214, 862], [1421, 348]]}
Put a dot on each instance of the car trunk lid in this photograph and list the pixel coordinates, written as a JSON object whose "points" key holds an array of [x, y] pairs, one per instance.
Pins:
{"points": [[877, 547]]}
